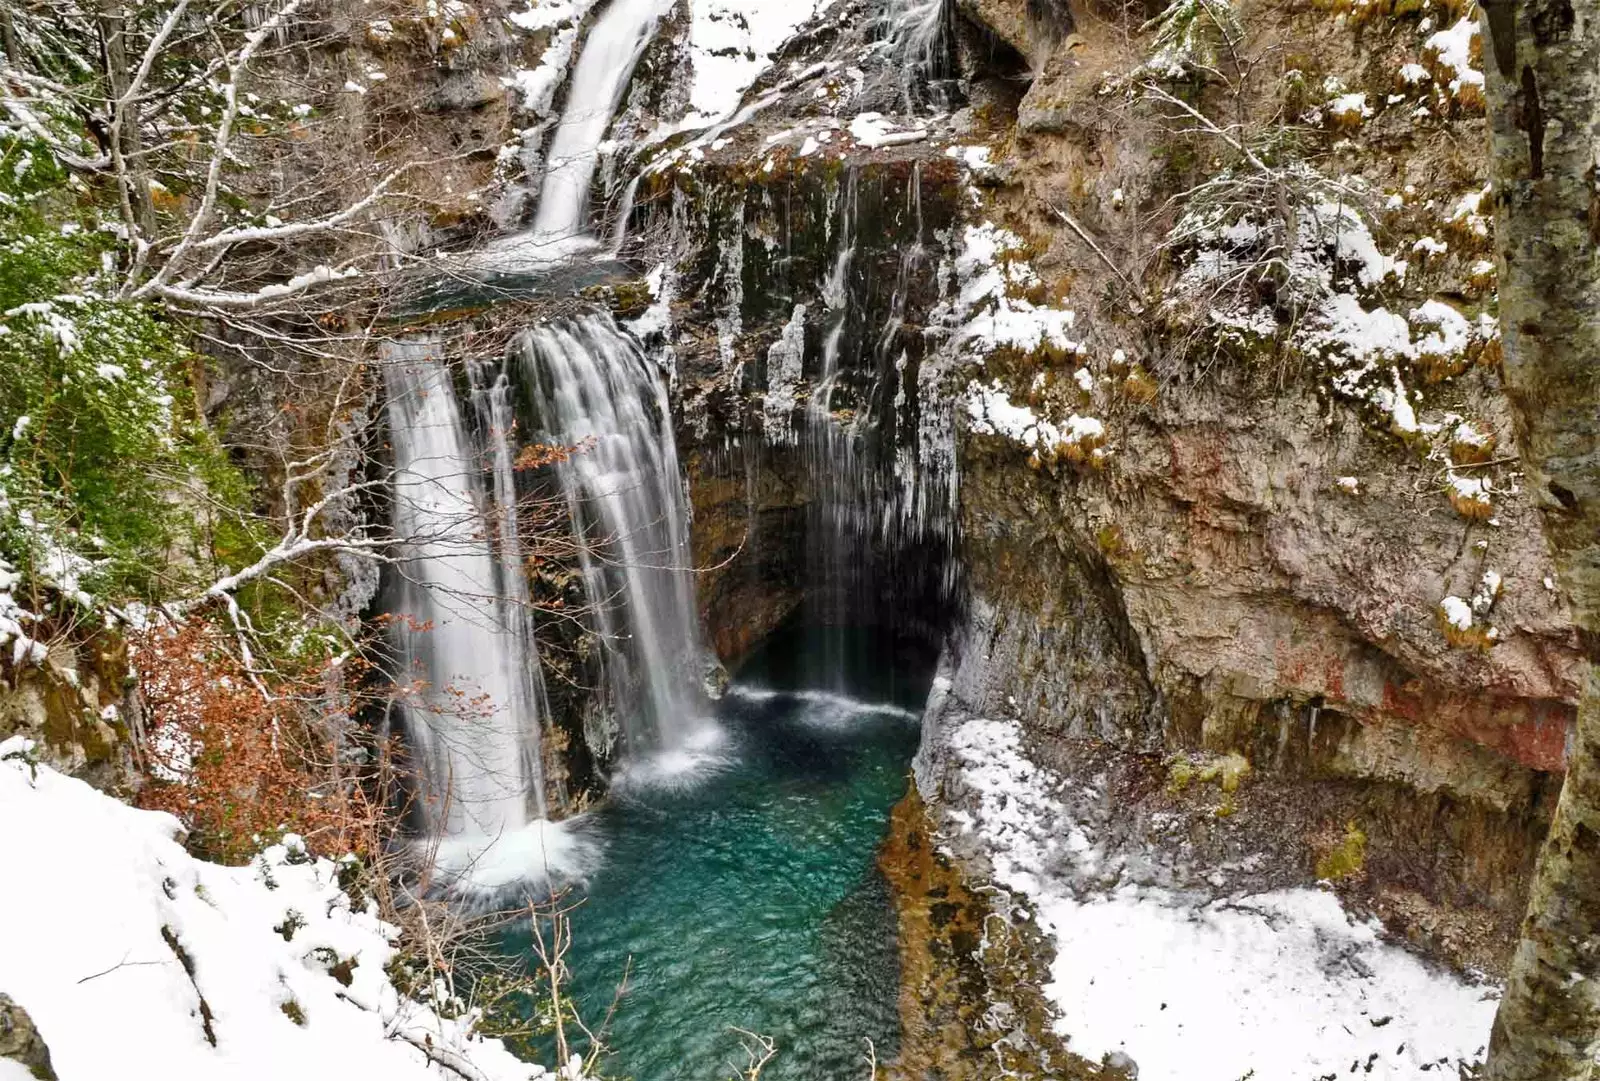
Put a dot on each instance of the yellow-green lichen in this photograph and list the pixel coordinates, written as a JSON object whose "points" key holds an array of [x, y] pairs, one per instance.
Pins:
{"points": [[1345, 858]]}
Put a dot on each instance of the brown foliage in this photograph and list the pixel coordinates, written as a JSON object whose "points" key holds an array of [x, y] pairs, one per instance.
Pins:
{"points": [[240, 767]]}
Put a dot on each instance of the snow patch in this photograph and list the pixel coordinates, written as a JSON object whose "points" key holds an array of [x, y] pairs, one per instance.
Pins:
{"points": [[115, 898], [1285, 984]]}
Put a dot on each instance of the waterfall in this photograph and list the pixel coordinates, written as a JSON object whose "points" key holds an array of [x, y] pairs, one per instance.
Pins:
{"points": [[466, 633], [610, 52], [920, 50], [593, 388]]}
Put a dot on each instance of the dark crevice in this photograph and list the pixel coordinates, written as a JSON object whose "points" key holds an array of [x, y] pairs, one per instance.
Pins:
{"points": [[171, 938], [1531, 121], [1502, 16]]}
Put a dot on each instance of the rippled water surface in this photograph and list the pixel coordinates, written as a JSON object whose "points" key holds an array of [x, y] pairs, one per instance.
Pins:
{"points": [[740, 878]]}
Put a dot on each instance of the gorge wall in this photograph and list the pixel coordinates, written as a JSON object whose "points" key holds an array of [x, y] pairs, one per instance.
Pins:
{"points": [[1300, 470]]}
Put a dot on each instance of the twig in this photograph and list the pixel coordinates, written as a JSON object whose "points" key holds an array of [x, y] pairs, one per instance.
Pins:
{"points": [[1087, 239]]}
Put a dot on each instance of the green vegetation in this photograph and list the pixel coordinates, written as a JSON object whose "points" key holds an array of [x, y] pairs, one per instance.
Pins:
{"points": [[109, 483]]}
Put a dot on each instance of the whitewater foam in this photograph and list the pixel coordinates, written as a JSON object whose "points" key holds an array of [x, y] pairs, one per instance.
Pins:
{"points": [[829, 709], [528, 863], [700, 753]]}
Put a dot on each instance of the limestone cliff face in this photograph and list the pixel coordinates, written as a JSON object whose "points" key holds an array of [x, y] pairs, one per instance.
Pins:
{"points": [[1258, 566], [1261, 558]]}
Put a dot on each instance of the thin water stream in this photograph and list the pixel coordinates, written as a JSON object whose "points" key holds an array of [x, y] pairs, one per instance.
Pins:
{"points": [[743, 893]]}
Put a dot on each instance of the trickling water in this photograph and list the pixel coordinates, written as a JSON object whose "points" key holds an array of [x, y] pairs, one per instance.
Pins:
{"points": [[880, 517], [918, 33], [592, 388], [466, 634], [610, 52]]}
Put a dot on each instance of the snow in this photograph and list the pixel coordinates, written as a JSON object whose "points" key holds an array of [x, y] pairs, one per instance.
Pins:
{"points": [[107, 989], [14, 619], [977, 158], [656, 320], [548, 14], [1451, 332], [538, 85], [1191, 988], [730, 45], [1457, 613], [1488, 592], [1350, 107], [991, 412], [873, 130], [1453, 50], [989, 307]]}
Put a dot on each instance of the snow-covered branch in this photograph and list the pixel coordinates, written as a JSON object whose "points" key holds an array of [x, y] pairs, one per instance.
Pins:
{"points": [[220, 155], [210, 298]]}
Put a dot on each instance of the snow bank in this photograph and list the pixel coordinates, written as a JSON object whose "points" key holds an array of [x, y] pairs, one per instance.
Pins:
{"points": [[136, 959], [1284, 984]]}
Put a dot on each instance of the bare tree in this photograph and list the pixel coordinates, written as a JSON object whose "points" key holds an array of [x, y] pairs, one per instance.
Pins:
{"points": [[1543, 74]]}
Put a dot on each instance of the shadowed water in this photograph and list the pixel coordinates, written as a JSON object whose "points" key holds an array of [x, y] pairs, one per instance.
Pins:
{"points": [[744, 888]]}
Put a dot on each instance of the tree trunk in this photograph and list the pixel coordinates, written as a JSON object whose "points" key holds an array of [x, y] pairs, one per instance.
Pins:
{"points": [[125, 142], [8, 37], [1542, 64]]}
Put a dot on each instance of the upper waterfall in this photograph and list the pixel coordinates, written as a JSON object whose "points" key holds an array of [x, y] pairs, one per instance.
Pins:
{"points": [[610, 52]]}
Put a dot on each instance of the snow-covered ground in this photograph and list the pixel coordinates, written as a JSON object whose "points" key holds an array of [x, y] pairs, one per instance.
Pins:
{"points": [[135, 959], [1284, 984]]}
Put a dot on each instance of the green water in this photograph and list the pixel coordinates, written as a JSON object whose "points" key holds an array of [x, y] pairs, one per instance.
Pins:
{"points": [[745, 890]]}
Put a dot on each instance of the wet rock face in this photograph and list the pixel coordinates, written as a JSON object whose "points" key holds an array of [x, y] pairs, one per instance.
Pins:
{"points": [[805, 279]]}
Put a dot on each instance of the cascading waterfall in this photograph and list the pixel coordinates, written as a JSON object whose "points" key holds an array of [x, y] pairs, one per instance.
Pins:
{"points": [[919, 47], [474, 722], [610, 52], [592, 388], [491, 394]]}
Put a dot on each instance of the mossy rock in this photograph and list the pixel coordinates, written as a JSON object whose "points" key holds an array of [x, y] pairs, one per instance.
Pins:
{"points": [[1344, 859]]}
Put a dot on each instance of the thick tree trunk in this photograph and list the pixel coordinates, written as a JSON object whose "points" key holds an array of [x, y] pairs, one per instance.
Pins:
{"points": [[1542, 62]]}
